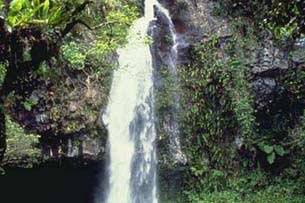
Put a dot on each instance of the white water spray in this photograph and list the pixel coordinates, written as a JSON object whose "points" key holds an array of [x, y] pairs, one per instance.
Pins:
{"points": [[173, 127], [130, 117]]}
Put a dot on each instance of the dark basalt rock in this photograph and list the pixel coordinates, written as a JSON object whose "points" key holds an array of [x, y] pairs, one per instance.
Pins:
{"points": [[269, 59], [265, 90], [59, 119], [65, 112]]}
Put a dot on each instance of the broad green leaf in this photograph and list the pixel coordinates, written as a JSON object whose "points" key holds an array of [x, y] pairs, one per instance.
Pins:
{"points": [[27, 106], [46, 6], [16, 5], [280, 150], [1, 4], [271, 158], [266, 148]]}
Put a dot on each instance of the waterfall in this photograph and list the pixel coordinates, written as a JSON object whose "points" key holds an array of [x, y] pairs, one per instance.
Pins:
{"points": [[173, 126], [130, 117]]}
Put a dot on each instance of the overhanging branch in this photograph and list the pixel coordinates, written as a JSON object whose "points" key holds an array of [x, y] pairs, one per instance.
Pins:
{"points": [[75, 20]]}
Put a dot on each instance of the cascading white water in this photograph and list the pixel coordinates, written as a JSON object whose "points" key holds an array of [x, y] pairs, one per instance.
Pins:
{"points": [[173, 127], [130, 119], [130, 116]]}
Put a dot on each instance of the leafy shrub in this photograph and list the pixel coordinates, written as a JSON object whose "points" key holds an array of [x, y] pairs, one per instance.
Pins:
{"points": [[2, 73], [255, 187], [25, 12], [115, 28], [75, 55], [284, 18], [20, 145], [218, 107], [225, 135]]}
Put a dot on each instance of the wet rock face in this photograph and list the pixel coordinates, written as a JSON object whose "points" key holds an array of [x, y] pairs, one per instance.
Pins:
{"points": [[268, 64], [265, 90], [65, 112], [195, 22], [80, 145], [269, 58], [198, 20], [185, 32], [162, 40], [298, 55]]}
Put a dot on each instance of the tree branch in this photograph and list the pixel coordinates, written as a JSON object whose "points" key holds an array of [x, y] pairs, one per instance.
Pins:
{"points": [[75, 20], [71, 25]]}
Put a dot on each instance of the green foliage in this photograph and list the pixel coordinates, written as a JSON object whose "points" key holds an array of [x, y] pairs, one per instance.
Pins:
{"points": [[250, 188], [164, 95], [115, 27], [46, 73], [296, 145], [75, 54], [205, 100], [294, 83], [284, 18], [284, 135], [25, 12], [20, 145], [72, 99], [218, 107], [279, 125], [30, 103], [2, 73], [110, 27], [283, 32], [1, 4], [110, 33], [242, 100], [259, 197], [272, 151]]}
